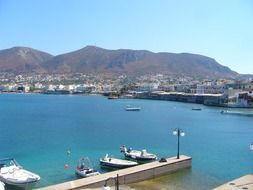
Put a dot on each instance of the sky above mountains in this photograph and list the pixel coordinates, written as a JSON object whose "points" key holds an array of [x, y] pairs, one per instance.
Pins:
{"points": [[219, 29]]}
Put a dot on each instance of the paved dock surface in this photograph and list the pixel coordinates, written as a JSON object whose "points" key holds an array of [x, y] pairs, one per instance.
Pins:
{"points": [[121, 187], [128, 175], [245, 182]]}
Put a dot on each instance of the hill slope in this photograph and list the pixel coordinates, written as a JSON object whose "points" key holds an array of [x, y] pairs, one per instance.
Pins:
{"points": [[22, 60], [92, 59], [95, 60]]}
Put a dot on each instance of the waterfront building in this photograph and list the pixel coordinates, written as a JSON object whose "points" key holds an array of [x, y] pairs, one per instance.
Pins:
{"points": [[209, 89], [243, 99], [11, 88], [183, 88], [167, 88], [200, 89], [147, 87], [38, 86]]}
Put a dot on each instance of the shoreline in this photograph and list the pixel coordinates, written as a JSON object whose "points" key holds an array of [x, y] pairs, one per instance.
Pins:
{"points": [[212, 100]]}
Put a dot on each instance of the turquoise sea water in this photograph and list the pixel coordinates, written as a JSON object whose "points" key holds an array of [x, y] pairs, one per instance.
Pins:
{"points": [[38, 130]]}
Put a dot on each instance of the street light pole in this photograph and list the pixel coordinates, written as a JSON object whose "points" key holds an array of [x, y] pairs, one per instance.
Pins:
{"points": [[178, 132], [116, 183], [178, 142]]}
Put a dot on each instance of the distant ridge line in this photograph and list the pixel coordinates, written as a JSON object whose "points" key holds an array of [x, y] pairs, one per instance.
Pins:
{"points": [[96, 60]]}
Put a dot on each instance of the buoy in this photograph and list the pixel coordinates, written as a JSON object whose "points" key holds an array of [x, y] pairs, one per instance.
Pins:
{"points": [[66, 166]]}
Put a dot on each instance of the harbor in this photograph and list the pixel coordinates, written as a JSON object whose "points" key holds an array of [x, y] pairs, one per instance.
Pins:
{"points": [[52, 140], [126, 95], [129, 175]]}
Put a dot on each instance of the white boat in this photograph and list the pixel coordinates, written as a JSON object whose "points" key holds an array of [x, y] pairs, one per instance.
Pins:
{"points": [[84, 168], [1, 185], [237, 113], [142, 155], [116, 163], [132, 108], [113, 97], [12, 173]]}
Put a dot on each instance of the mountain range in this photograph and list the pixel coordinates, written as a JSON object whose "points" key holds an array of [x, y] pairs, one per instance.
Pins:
{"points": [[96, 60]]}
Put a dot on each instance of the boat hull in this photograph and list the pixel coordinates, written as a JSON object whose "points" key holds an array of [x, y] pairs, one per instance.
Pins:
{"points": [[196, 109], [118, 166], [20, 184], [133, 109], [139, 158], [11, 173], [249, 114], [86, 173]]}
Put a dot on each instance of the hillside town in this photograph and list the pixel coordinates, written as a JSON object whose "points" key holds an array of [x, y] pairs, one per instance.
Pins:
{"points": [[220, 92]]}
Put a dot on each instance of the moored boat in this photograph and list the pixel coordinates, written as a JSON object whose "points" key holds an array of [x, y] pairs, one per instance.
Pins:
{"points": [[12, 173], [237, 113], [137, 155], [84, 168], [132, 108], [113, 97], [111, 162], [1, 185], [196, 109]]}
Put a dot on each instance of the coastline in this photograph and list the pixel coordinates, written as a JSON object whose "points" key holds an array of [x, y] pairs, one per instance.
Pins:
{"points": [[213, 100]]}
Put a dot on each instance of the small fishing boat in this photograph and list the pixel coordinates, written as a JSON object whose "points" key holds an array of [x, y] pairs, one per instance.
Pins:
{"points": [[12, 173], [196, 109], [137, 155], [113, 97], [111, 162], [85, 169], [132, 108]]}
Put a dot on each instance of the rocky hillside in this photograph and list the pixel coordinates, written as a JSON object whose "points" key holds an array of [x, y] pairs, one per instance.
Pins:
{"points": [[95, 60], [23, 60]]}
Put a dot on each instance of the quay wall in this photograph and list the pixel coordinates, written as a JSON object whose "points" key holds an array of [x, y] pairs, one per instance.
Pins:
{"points": [[206, 99], [128, 175]]}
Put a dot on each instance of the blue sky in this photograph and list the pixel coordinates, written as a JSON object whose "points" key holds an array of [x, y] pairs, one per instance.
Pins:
{"points": [[221, 29]]}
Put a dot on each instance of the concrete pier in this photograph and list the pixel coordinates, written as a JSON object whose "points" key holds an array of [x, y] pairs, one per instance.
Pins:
{"points": [[245, 182], [128, 175]]}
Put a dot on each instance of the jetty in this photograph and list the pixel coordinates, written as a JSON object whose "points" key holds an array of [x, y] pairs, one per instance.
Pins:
{"points": [[245, 182], [129, 175]]}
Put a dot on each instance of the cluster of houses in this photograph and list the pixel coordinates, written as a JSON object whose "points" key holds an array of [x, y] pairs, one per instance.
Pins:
{"points": [[231, 93], [227, 93]]}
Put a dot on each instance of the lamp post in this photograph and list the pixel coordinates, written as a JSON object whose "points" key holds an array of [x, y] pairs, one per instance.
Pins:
{"points": [[116, 180], [178, 132]]}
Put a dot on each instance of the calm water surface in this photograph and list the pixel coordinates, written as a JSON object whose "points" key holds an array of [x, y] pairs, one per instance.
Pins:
{"points": [[38, 130]]}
